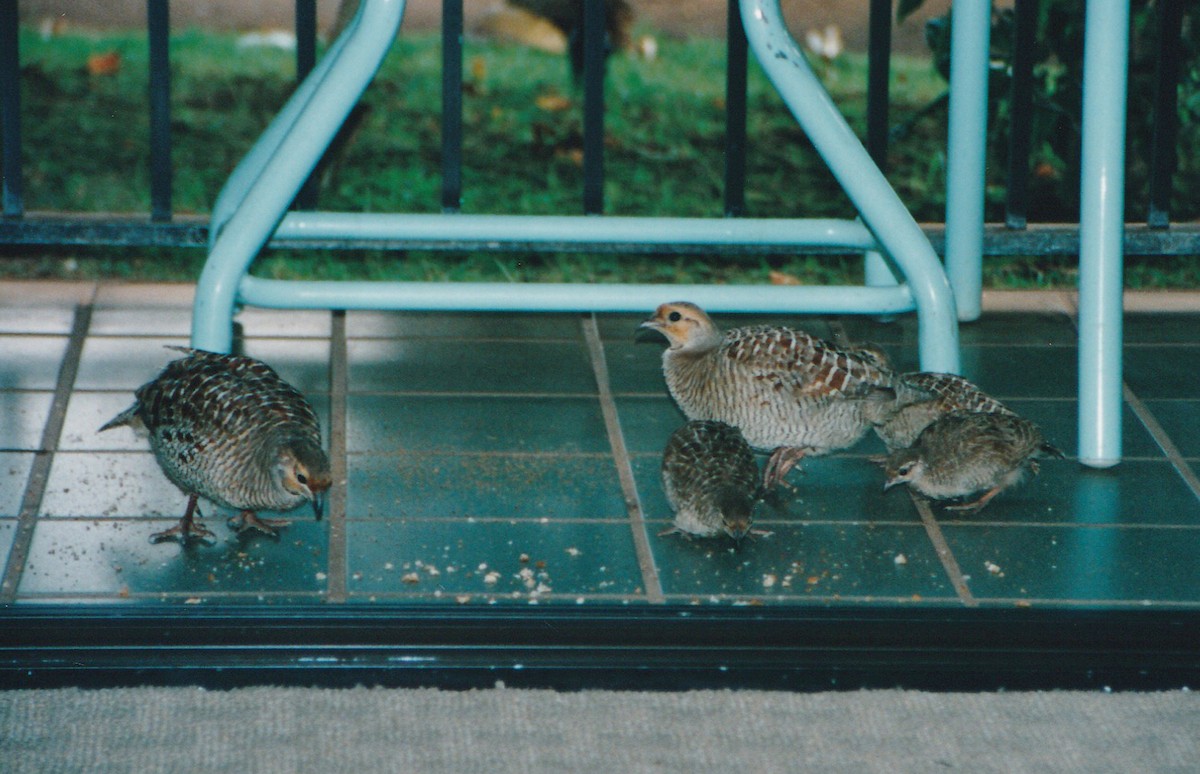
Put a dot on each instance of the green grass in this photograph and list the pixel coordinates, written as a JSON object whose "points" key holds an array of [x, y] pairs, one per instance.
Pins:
{"points": [[86, 139]]}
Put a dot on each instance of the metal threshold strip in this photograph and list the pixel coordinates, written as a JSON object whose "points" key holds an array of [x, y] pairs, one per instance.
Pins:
{"points": [[620, 647]]}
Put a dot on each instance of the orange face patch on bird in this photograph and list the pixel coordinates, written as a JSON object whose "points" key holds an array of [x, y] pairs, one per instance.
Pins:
{"points": [[684, 325]]}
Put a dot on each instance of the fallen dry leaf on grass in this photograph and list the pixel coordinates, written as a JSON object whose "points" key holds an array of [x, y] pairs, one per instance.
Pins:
{"points": [[108, 63]]}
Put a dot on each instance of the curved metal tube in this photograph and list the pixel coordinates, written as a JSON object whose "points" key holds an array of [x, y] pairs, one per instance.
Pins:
{"points": [[880, 208], [265, 183]]}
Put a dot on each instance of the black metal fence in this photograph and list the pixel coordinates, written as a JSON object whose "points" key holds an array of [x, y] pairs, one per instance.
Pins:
{"points": [[1015, 236]]}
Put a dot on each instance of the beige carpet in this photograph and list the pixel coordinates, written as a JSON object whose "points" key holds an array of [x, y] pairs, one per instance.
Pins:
{"points": [[490, 731]]}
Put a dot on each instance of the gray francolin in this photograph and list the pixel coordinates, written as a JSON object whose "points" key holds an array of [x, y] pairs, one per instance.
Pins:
{"points": [[229, 429], [961, 455], [711, 480], [788, 392], [923, 397]]}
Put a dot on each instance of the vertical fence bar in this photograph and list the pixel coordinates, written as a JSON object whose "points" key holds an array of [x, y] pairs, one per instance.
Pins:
{"points": [[159, 30], [735, 112], [306, 60], [593, 106], [10, 111], [879, 55], [970, 32], [876, 271], [1166, 122], [1101, 230], [452, 104], [1020, 122]]}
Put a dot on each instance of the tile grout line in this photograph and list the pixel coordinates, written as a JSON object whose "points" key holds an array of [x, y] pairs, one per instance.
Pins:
{"points": [[1159, 434], [39, 473], [616, 439], [949, 563], [338, 378]]}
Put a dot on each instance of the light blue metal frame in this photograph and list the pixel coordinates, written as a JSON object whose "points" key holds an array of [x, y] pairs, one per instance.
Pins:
{"points": [[966, 153], [1102, 231], [253, 206]]}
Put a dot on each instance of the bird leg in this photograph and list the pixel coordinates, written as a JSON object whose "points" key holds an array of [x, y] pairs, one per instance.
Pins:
{"points": [[779, 463], [187, 528], [975, 506], [247, 520]]}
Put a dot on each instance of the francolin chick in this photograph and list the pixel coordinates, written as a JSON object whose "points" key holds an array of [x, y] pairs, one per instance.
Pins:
{"points": [[710, 479], [228, 429], [961, 455], [787, 391], [922, 398]]}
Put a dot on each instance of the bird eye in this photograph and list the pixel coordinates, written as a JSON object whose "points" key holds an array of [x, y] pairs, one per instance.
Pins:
{"points": [[674, 317], [303, 479]]}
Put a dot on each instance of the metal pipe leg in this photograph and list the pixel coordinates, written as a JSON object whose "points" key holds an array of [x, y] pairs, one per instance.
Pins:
{"points": [[275, 173], [1101, 231], [966, 152], [881, 210]]}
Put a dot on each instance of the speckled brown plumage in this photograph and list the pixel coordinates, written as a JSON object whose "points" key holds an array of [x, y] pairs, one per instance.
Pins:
{"points": [[921, 398], [961, 455], [710, 479], [228, 429], [787, 391]]}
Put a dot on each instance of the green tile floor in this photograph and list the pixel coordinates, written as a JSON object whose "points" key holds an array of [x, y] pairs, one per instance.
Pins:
{"points": [[513, 459]]}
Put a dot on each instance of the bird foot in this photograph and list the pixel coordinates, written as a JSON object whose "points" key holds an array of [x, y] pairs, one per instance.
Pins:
{"points": [[781, 461], [247, 520], [186, 531]]}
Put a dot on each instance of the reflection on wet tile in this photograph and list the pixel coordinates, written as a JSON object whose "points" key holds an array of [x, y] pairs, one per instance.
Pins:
{"points": [[37, 319], [126, 321], [123, 363], [635, 367], [1136, 492], [23, 418], [1103, 564], [485, 485], [462, 325], [1181, 421], [819, 560], [647, 422], [470, 366], [14, 473], [8, 530], [30, 362], [1162, 371], [1164, 328], [385, 423], [515, 561], [302, 363], [295, 323], [1023, 372], [115, 557]]}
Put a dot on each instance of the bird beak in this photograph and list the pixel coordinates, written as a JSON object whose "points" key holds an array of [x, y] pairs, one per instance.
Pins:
{"points": [[318, 504], [650, 330], [891, 482], [738, 531]]}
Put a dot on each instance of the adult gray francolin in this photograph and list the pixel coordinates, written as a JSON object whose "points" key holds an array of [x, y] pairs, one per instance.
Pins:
{"points": [[923, 397], [227, 428], [788, 392], [966, 454], [711, 480]]}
